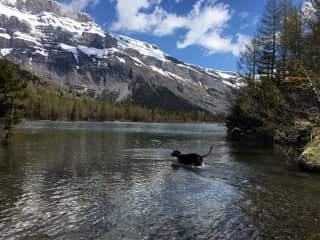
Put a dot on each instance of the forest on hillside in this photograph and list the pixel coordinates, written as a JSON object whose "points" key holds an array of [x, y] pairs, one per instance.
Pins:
{"points": [[31, 97]]}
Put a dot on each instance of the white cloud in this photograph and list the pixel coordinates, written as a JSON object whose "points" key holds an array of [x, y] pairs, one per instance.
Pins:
{"points": [[78, 5], [169, 24], [132, 18], [202, 26], [308, 10], [243, 14], [250, 22]]}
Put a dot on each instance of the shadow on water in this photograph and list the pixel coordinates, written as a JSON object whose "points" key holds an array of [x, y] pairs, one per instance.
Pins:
{"points": [[115, 181]]}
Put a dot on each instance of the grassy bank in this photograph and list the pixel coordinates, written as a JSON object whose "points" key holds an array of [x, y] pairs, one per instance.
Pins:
{"points": [[310, 158]]}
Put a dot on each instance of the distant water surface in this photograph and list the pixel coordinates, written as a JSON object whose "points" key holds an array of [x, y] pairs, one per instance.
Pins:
{"points": [[115, 181]]}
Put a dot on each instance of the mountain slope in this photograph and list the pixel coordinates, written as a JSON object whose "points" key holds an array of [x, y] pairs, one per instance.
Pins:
{"points": [[71, 49]]}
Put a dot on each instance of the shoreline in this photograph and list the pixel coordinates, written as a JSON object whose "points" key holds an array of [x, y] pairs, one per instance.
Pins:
{"points": [[301, 154], [122, 121]]}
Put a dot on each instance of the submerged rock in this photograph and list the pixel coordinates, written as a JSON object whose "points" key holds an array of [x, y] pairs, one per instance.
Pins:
{"points": [[257, 136]]}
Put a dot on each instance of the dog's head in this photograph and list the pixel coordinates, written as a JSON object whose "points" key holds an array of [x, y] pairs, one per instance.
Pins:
{"points": [[176, 153]]}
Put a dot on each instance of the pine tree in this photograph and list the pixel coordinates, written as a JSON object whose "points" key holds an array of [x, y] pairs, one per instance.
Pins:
{"points": [[268, 39], [283, 50], [130, 73], [10, 89], [312, 37], [294, 33], [247, 64]]}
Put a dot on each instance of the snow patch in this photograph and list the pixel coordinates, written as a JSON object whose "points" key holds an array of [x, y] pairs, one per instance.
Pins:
{"points": [[171, 75], [121, 59], [42, 52], [49, 19], [98, 53], [175, 76], [71, 49], [229, 83], [5, 35], [11, 2], [5, 51], [225, 74], [159, 70], [26, 37], [188, 67], [92, 51], [142, 47], [138, 61], [235, 84]]}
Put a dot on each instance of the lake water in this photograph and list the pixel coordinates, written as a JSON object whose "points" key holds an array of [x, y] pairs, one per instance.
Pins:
{"points": [[115, 181]]}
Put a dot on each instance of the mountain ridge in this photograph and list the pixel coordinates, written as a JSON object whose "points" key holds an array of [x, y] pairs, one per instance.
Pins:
{"points": [[78, 53]]}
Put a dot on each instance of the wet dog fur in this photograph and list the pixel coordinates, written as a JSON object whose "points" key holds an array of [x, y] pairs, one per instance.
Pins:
{"points": [[190, 158]]}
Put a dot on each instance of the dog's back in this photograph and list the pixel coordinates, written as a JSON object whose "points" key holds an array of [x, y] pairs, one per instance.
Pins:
{"points": [[191, 158]]}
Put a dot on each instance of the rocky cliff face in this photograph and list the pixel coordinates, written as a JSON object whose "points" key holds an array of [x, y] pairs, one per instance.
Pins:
{"points": [[73, 50]]}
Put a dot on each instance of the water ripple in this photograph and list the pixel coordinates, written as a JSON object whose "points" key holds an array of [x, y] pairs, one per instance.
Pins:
{"points": [[115, 181]]}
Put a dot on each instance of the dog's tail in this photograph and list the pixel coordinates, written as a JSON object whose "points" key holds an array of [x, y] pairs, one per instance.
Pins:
{"points": [[209, 152]]}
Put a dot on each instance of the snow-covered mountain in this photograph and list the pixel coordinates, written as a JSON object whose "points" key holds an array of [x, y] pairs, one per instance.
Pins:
{"points": [[70, 48]]}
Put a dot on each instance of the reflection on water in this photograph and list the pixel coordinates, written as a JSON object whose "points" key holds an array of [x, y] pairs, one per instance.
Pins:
{"points": [[115, 181]]}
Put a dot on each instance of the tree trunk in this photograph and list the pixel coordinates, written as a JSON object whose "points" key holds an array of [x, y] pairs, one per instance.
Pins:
{"points": [[7, 125], [314, 89]]}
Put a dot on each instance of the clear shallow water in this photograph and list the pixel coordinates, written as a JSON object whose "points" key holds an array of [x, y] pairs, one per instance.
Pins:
{"points": [[115, 181]]}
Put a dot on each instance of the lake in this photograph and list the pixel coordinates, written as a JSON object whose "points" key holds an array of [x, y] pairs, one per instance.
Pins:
{"points": [[115, 181]]}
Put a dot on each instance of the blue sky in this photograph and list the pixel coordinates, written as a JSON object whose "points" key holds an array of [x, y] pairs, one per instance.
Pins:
{"points": [[208, 33]]}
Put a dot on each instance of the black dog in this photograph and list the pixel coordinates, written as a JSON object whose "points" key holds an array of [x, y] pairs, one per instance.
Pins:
{"points": [[191, 158]]}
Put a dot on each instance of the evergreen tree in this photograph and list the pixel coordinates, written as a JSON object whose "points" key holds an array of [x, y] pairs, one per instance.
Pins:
{"points": [[293, 39], [285, 6], [10, 89], [312, 37], [247, 64], [130, 73], [268, 39]]}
